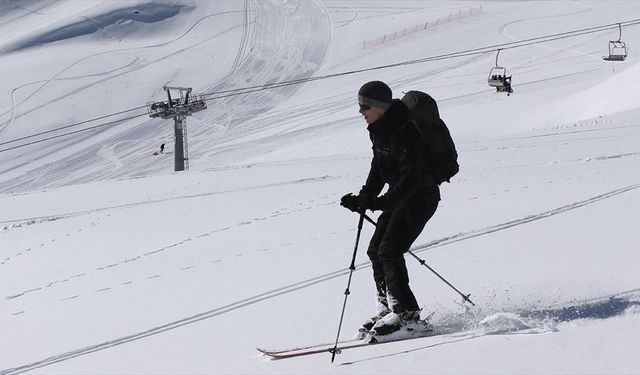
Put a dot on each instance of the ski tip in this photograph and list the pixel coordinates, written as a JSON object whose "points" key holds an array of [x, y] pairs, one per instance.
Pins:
{"points": [[268, 354]]}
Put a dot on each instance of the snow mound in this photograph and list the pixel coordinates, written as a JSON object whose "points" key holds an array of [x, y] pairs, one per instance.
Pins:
{"points": [[618, 93], [501, 323]]}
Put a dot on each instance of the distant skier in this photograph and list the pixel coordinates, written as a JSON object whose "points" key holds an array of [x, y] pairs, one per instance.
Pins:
{"points": [[410, 201], [161, 151]]}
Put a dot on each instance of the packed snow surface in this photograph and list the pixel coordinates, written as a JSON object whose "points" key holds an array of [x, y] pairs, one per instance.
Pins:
{"points": [[110, 262]]}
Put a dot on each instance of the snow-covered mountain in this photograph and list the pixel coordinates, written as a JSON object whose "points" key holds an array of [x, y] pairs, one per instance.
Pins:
{"points": [[110, 262]]}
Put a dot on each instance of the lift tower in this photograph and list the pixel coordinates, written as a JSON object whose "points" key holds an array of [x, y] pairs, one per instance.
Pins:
{"points": [[178, 108]]}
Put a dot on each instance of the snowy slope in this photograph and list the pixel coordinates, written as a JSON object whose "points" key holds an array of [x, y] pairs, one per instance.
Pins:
{"points": [[112, 263]]}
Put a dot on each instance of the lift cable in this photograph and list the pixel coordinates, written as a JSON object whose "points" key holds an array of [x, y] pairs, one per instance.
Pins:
{"points": [[77, 124], [71, 132], [469, 52], [251, 89]]}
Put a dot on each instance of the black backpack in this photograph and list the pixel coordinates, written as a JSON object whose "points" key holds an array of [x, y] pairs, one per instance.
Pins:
{"points": [[441, 155]]}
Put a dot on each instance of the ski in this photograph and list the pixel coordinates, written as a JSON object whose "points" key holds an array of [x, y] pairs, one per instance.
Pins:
{"points": [[328, 348], [309, 347], [312, 349]]}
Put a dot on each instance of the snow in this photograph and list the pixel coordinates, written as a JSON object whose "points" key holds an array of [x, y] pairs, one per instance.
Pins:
{"points": [[110, 262]]}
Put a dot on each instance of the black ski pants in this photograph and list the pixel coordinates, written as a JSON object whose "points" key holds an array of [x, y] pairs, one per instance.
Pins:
{"points": [[395, 232]]}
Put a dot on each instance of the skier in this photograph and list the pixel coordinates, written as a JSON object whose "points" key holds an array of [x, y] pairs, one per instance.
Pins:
{"points": [[410, 201], [162, 148]]}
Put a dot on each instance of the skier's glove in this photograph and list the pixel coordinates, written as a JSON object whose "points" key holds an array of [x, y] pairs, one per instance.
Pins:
{"points": [[350, 202], [365, 200]]}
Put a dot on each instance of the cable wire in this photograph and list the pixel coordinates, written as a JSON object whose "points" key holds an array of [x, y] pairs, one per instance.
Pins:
{"points": [[72, 132], [250, 89], [463, 53], [71, 125]]}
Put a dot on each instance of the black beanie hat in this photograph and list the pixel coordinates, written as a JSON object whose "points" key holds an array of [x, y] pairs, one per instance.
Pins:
{"points": [[376, 94]]}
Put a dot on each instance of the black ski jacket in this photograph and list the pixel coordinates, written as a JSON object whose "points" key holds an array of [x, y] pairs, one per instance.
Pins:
{"points": [[398, 160]]}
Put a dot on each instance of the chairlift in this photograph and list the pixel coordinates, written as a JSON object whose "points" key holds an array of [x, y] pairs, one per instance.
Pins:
{"points": [[498, 78], [617, 49]]}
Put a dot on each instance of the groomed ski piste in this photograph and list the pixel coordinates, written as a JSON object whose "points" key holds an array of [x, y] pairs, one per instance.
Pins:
{"points": [[111, 263]]}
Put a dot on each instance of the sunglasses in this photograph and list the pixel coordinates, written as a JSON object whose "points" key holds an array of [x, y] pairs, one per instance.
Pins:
{"points": [[364, 107]]}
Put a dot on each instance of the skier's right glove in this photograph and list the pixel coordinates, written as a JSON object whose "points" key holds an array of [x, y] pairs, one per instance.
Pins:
{"points": [[350, 202]]}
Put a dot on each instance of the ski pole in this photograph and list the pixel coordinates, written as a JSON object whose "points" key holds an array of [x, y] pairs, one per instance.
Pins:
{"points": [[465, 297], [352, 268]]}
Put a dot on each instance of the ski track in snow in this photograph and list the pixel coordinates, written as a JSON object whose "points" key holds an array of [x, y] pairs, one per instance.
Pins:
{"points": [[260, 66], [524, 220], [553, 50], [524, 322], [306, 206], [469, 325], [44, 83], [460, 329], [137, 63], [35, 220], [242, 46], [457, 328], [108, 74], [503, 28], [109, 153], [301, 207]]}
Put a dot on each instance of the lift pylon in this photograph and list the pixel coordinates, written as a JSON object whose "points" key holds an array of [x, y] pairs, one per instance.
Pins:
{"points": [[178, 108]]}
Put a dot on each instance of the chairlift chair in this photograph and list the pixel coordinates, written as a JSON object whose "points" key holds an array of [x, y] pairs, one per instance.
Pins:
{"points": [[617, 51], [617, 48], [497, 76]]}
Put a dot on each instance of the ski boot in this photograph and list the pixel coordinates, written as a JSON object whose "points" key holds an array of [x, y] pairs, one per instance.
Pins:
{"points": [[399, 326], [369, 323]]}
